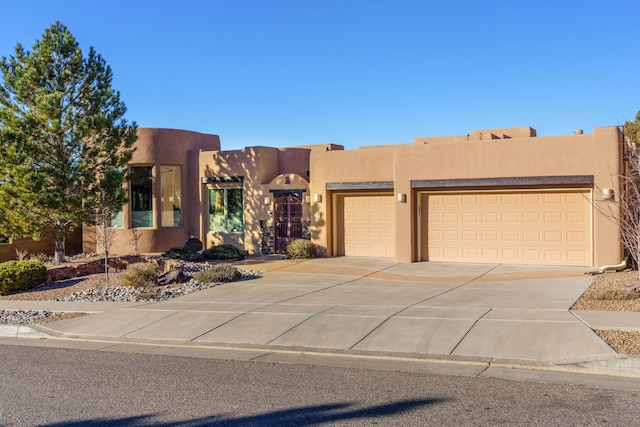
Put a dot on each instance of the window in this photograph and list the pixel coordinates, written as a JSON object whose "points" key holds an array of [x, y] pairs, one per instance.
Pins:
{"points": [[225, 210], [141, 196], [171, 205]]}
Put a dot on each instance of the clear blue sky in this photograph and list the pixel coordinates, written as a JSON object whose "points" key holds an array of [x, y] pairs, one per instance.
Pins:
{"points": [[355, 72]]}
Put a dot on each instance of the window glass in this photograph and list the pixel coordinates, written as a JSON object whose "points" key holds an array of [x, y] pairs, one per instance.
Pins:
{"points": [[141, 197], [171, 183], [226, 213], [117, 220]]}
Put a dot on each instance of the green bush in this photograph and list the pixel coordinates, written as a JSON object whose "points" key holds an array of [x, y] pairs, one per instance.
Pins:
{"points": [[18, 276], [300, 249], [223, 252], [43, 258], [220, 273], [183, 253], [140, 275]]}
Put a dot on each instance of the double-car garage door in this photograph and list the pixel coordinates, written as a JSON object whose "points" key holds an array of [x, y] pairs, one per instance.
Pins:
{"points": [[546, 227], [515, 227]]}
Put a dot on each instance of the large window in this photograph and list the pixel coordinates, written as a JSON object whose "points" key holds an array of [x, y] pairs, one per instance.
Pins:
{"points": [[171, 183], [141, 197], [226, 210]]}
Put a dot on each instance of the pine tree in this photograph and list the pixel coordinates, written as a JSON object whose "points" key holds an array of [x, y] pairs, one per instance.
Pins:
{"points": [[64, 140]]}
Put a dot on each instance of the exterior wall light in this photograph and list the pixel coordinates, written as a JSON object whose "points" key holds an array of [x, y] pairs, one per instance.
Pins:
{"points": [[266, 200], [402, 197], [607, 194], [307, 199], [317, 198]]}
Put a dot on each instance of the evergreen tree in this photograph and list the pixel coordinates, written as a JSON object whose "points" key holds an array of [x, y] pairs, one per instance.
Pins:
{"points": [[64, 140]]}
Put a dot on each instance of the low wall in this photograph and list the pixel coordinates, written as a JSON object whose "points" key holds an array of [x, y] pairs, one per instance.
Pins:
{"points": [[96, 266]]}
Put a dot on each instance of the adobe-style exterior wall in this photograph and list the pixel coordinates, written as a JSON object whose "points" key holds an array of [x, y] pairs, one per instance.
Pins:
{"points": [[156, 148], [506, 153], [492, 159], [261, 172]]}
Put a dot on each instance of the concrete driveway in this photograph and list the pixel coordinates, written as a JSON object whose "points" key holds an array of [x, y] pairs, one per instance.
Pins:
{"points": [[487, 311]]}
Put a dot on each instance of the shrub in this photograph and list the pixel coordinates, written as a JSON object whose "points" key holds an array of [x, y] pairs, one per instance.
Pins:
{"points": [[300, 249], [183, 253], [140, 275], [220, 273], [223, 252], [619, 295], [43, 258], [18, 276]]}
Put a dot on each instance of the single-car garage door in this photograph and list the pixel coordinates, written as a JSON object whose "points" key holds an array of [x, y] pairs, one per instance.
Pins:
{"points": [[365, 225], [518, 227]]}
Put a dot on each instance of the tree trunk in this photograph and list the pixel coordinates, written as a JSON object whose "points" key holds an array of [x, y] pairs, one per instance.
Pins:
{"points": [[59, 251], [106, 266]]}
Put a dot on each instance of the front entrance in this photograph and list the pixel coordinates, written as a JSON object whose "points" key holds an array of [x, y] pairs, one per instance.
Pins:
{"points": [[288, 221]]}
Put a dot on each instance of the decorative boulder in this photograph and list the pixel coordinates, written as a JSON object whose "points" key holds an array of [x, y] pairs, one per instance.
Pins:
{"points": [[172, 276], [193, 243]]}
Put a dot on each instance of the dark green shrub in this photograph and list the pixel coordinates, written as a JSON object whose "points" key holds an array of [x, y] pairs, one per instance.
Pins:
{"points": [[300, 249], [223, 252], [140, 275], [18, 276], [220, 273], [183, 253]]}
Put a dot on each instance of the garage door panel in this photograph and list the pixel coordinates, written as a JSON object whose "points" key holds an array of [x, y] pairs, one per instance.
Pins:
{"points": [[535, 227], [367, 225]]}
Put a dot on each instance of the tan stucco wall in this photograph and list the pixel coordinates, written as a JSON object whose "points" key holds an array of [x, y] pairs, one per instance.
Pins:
{"points": [[264, 169], [163, 147], [45, 245], [598, 154]]}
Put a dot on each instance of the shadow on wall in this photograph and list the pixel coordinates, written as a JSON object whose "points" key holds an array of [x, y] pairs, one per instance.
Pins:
{"points": [[240, 163], [73, 246]]}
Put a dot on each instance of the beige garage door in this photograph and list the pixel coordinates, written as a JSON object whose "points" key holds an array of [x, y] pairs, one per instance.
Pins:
{"points": [[365, 225], [516, 227]]}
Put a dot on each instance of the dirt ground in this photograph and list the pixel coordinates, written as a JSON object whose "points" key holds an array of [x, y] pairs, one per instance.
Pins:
{"points": [[613, 291]]}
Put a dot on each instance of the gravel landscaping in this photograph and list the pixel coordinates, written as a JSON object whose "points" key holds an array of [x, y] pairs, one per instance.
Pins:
{"points": [[613, 291], [94, 288]]}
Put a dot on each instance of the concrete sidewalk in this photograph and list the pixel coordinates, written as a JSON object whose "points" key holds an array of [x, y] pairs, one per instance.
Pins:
{"points": [[494, 314]]}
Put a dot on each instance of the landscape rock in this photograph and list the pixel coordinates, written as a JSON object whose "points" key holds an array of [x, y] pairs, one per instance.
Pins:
{"points": [[193, 243], [172, 276]]}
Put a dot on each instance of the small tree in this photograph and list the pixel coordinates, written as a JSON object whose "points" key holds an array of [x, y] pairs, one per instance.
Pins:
{"points": [[63, 138], [630, 192], [111, 194]]}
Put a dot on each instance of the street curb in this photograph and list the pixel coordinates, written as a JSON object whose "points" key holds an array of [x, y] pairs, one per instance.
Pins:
{"points": [[619, 365], [21, 331]]}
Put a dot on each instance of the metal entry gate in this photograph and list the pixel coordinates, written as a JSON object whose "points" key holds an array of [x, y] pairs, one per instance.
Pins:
{"points": [[288, 221]]}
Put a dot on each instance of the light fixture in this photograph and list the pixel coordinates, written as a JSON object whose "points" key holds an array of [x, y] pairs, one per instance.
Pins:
{"points": [[317, 198], [402, 198], [607, 194], [266, 200], [307, 199]]}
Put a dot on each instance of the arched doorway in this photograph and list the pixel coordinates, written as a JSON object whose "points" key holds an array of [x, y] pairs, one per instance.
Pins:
{"points": [[288, 221]]}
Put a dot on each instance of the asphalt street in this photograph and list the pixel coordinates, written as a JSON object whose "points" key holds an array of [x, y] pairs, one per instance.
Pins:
{"points": [[65, 387]]}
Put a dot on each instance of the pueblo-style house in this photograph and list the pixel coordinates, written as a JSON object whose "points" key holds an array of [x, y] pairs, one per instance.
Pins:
{"points": [[491, 196]]}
